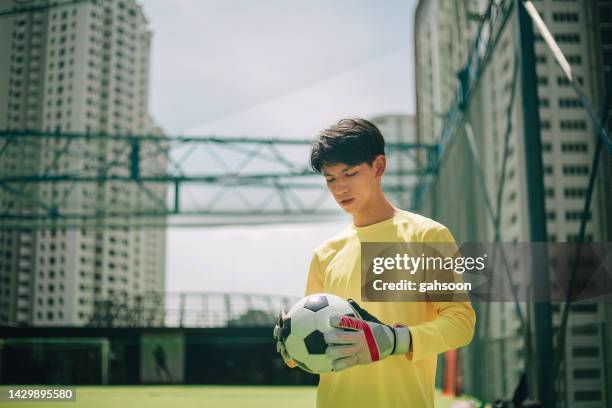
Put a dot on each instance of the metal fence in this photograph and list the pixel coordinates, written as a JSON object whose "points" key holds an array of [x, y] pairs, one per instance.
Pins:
{"points": [[190, 309]]}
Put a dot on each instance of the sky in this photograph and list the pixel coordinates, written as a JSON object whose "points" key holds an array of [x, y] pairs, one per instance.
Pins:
{"points": [[277, 68]]}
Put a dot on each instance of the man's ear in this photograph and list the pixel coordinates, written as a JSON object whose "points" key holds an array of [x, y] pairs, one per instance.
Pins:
{"points": [[379, 165]]}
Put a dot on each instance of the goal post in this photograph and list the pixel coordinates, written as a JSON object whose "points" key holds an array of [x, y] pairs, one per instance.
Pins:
{"points": [[54, 360]]}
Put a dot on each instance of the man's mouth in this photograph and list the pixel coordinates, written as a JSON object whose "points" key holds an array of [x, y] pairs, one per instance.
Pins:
{"points": [[347, 201]]}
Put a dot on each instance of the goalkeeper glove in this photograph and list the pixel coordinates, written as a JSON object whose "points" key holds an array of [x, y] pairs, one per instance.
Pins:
{"points": [[280, 343], [364, 339]]}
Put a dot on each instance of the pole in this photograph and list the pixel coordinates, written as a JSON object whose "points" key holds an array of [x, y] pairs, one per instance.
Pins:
{"points": [[541, 377]]}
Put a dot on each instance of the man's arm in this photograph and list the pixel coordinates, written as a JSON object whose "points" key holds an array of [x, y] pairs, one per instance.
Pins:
{"points": [[454, 326]]}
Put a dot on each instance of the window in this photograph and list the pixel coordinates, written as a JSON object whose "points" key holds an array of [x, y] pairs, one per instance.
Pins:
{"points": [[574, 192], [565, 103], [584, 307], [575, 124], [575, 169], [565, 17], [544, 102], [587, 373], [585, 330], [542, 81], [585, 351], [574, 147], [575, 215], [575, 238], [590, 395], [570, 38]]}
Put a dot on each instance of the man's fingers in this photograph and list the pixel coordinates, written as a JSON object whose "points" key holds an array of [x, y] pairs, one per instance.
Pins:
{"points": [[345, 322], [336, 352], [288, 360], [342, 337], [282, 316], [280, 348], [344, 363], [358, 310], [276, 332]]}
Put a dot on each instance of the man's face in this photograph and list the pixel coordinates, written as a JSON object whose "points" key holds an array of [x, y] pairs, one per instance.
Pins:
{"points": [[354, 187]]}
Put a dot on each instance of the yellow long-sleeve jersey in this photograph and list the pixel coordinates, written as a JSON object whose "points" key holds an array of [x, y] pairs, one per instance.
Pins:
{"points": [[399, 380]]}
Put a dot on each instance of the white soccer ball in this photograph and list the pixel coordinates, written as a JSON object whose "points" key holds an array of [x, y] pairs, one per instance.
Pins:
{"points": [[303, 331]]}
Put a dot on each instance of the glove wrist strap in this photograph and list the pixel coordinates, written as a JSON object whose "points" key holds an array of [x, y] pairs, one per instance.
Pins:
{"points": [[402, 339]]}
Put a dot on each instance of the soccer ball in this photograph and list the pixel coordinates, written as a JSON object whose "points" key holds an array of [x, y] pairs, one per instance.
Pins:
{"points": [[303, 330]]}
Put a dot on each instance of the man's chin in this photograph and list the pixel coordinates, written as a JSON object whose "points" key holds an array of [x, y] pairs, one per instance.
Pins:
{"points": [[348, 207]]}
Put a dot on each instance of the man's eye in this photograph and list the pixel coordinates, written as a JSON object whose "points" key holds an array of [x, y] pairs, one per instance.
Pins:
{"points": [[351, 174], [329, 180]]}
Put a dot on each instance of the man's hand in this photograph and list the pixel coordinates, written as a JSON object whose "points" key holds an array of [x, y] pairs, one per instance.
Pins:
{"points": [[364, 339], [278, 337]]}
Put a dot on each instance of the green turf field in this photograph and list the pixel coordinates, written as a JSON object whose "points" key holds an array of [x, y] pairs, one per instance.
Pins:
{"points": [[177, 396]]}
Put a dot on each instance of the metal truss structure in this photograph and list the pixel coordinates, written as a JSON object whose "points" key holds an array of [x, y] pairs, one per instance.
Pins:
{"points": [[65, 179], [50, 178]]}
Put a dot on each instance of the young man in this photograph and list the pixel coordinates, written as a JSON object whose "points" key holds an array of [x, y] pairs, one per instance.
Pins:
{"points": [[388, 357]]}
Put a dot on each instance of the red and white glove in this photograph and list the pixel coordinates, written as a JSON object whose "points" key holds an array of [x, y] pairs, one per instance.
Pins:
{"points": [[364, 339]]}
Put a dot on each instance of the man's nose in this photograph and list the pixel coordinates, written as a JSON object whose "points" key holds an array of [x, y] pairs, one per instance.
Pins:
{"points": [[340, 188]]}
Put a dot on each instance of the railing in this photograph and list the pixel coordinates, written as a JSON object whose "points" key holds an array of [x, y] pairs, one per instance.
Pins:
{"points": [[207, 309]]}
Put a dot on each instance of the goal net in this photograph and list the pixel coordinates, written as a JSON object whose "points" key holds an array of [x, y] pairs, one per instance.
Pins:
{"points": [[54, 360]]}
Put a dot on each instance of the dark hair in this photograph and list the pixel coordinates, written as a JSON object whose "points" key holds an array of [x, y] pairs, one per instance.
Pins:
{"points": [[350, 141]]}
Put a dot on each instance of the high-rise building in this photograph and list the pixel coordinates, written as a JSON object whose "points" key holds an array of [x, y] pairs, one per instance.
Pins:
{"points": [[79, 66], [399, 128], [442, 33], [568, 144], [600, 16]]}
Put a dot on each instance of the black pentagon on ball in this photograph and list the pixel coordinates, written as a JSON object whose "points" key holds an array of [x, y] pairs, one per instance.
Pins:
{"points": [[315, 343], [316, 303], [285, 329]]}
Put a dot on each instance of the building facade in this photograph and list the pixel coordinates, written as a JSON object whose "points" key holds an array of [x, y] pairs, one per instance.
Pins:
{"points": [[568, 144], [77, 67]]}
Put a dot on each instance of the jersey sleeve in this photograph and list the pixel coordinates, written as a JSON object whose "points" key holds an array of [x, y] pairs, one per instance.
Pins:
{"points": [[314, 282], [455, 322]]}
